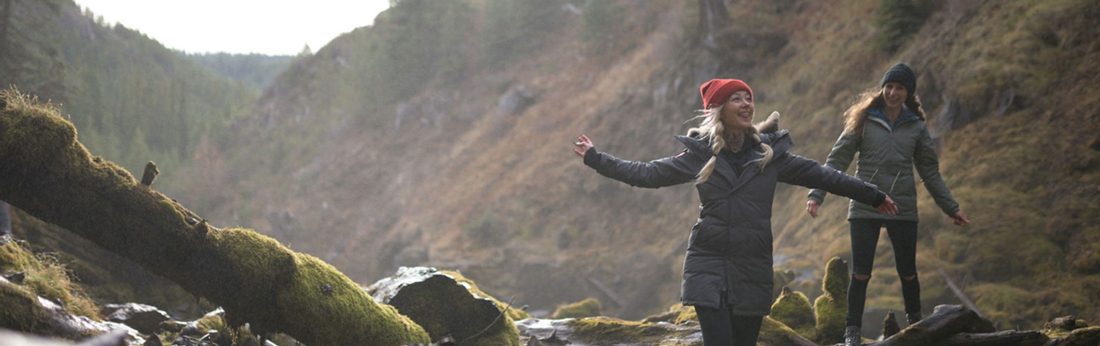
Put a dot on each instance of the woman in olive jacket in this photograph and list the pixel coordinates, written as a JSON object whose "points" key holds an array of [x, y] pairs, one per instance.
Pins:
{"points": [[887, 128], [728, 267]]}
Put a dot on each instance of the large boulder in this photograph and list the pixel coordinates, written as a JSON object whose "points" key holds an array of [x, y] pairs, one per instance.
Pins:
{"points": [[445, 306]]}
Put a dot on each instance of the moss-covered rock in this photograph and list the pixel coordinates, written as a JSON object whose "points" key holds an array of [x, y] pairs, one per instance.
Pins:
{"points": [[677, 313], [446, 307], [44, 275], [586, 308], [832, 306], [21, 310], [49, 175], [1062, 326], [514, 313], [608, 330], [26, 312], [793, 309]]}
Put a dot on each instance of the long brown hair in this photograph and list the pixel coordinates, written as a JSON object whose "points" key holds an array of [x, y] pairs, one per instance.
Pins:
{"points": [[856, 115]]}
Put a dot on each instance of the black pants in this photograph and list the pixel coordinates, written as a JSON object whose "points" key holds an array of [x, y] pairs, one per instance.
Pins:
{"points": [[903, 237], [722, 328]]}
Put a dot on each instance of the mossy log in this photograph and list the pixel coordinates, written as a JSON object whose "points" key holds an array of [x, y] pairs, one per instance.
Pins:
{"points": [[50, 175]]}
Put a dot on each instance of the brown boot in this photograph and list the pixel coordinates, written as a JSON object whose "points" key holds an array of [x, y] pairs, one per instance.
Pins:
{"points": [[852, 336]]}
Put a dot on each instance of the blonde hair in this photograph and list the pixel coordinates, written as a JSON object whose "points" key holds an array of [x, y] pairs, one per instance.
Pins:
{"points": [[856, 115], [712, 130]]}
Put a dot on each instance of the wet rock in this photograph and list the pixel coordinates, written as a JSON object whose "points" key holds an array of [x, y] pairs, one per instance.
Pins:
{"points": [[117, 337], [146, 319], [445, 306], [14, 276]]}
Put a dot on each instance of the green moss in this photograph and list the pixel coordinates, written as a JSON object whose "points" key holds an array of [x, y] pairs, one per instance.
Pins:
{"points": [[832, 306], [688, 314], [1087, 336], [315, 290], [607, 330], [47, 277], [586, 308], [836, 279], [793, 309], [773, 332], [21, 310], [829, 314]]}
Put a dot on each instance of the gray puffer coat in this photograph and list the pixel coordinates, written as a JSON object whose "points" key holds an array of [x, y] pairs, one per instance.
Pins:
{"points": [[887, 155], [729, 255]]}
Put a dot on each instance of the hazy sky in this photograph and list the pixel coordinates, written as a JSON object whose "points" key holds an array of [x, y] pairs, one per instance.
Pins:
{"points": [[273, 27]]}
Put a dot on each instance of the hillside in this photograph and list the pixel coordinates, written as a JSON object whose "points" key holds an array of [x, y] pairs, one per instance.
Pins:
{"points": [[392, 146]]}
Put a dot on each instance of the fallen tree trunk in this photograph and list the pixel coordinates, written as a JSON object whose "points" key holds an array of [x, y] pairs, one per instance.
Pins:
{"points": [[47, 173]]}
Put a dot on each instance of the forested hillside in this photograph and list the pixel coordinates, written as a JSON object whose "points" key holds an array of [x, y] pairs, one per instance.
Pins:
{"points": [[440, 135], [254, 70]]}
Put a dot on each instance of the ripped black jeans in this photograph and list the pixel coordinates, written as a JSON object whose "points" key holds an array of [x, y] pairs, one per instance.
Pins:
{"points": [[903, 237]]}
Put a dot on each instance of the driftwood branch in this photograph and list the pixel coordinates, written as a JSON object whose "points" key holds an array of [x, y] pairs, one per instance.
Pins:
{"points": [[958, 292], [606, 290], [50, 175]]}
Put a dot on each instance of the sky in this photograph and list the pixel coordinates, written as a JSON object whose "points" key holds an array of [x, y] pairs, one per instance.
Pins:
{"points": [[271, 27]]}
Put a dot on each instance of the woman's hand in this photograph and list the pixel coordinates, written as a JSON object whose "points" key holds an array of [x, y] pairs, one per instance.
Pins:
{"points": [[960, 218], [582, 143], [811, 207], [888, 207]]}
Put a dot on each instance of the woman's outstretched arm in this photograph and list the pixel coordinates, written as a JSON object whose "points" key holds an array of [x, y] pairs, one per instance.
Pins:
{"points": [[798, 170], [658, 173]]}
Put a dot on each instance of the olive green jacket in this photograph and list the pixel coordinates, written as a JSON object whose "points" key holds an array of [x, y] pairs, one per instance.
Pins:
{"points": [[886, 159]]}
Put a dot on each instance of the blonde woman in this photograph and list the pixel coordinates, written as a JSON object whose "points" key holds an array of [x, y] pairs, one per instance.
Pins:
{"points": [[886, 126], [728, 267]]}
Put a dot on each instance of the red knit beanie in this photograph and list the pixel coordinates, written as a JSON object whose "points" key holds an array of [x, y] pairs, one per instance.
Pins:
{"points": [[717, 91]]}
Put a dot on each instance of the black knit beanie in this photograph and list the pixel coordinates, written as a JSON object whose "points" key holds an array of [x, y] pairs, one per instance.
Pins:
{"points": [[901, 74]]}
